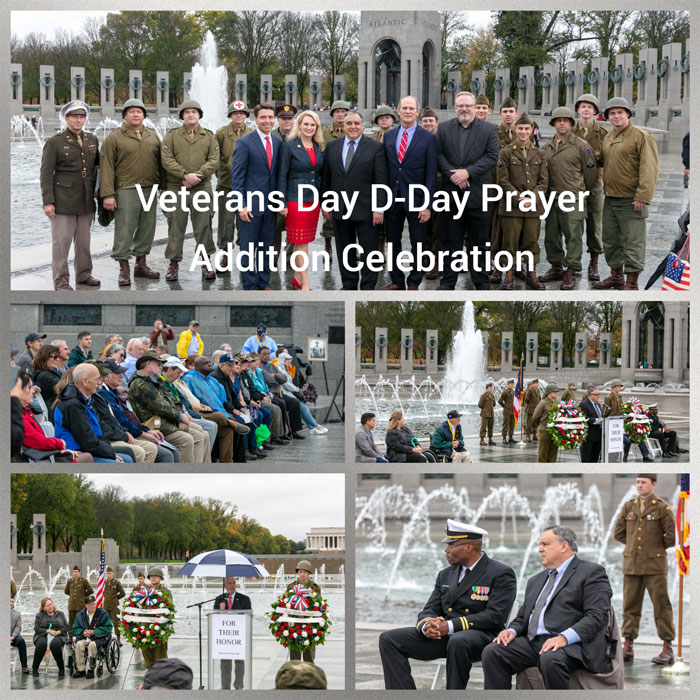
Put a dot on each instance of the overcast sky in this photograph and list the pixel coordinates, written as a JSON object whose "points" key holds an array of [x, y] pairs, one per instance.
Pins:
{"points": [[286, 504], [46, 22]]}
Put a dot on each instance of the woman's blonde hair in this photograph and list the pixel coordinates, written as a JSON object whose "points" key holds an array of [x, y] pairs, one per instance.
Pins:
{"points": [[394, 419], [318, 136], [43, 604]]}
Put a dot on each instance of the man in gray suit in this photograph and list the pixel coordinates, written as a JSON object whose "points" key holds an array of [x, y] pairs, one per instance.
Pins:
{"points": [[365, 449]]}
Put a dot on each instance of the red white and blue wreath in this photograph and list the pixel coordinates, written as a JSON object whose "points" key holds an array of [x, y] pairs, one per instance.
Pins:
{"points": [[299, 619], [147, 618]]}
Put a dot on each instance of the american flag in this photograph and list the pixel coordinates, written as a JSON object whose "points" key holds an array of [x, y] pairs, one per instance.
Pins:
{"points": [[518, 391], [676, 275], [101, 576]]}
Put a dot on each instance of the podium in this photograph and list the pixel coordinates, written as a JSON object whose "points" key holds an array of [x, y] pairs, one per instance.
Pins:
{"points": [[613, 431], [229, 637]]}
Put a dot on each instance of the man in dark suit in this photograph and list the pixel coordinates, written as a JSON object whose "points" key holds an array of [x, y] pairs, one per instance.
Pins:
{"points": [[471, 600], [255, 170], [590, 450], [230, 600], [353, 164], [411, 152], [560, 627], [467, 151]]}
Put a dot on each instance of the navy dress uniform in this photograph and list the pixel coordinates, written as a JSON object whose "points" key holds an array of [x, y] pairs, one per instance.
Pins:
{"points": [[475, 602]]}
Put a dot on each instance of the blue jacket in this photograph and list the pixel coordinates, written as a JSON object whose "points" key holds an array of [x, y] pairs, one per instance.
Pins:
{"points": [[110, 397], [250, 171], [295, 169], [207, 390], [253, 344], [258, 380]]}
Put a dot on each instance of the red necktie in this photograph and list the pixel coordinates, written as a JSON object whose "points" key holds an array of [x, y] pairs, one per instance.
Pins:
{"points": [[402, 145], [230, 599], [268, 150]]}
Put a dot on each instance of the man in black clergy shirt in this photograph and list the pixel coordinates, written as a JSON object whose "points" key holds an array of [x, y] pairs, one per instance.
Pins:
{"points": [[230, 600], [472, 599]]}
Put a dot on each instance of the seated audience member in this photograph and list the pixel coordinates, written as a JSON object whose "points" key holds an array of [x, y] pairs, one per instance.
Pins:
{"points": [[127, 419], [259, 341], [289, 405], [161, 334], [189, 361], [75, 418], [134, 350], [365, 449], [401, 444], [45, 374], [168, 674], [146, 342], [33, 342], [156, 408], [63, 354], [82, 352], [284, 365], [116, 352], [448, 438], [254, 390], [50, 630], [16, 639], [659, 430], [92, 628]]}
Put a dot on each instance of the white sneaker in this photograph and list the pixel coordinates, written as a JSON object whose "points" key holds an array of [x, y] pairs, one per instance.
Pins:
{"points": [[316, 429], [323, 428]]}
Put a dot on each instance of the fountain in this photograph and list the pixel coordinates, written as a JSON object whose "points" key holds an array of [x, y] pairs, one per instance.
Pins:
{"points": [[210, 85], [465, 369]]}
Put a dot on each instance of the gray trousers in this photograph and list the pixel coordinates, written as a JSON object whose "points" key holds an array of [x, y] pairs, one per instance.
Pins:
{"points": [[67, 229], [226, 674], [210, 428], [134, 227]]}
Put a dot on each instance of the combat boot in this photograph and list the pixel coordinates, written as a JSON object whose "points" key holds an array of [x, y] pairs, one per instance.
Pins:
{"points": [[569, 279], [554, 274], [124, 273], [492, 441], [532, 281], [628, 650], [495, 276], [615, 281], [505, 440], [141, 269], [508, 281], [593, 275], [631, 283], [528, 437], [171, 274], [665, 658], [482, 442]]}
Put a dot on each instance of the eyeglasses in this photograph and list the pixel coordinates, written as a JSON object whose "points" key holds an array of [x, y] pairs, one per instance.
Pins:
{"points": [[54, 357], [465, 106]]}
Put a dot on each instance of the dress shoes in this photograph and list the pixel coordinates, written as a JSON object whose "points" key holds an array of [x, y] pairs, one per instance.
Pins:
{"points": [[64, 286], [395, 288], [91, 282], [298, 436]]}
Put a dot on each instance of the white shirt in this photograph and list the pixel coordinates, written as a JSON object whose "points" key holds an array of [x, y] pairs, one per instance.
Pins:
{"points": [[263, 138]]}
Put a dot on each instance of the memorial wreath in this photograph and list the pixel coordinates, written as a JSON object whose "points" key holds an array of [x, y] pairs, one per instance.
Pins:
{"points": [[299, 619], [637, 424], [567, 425], [147, 618]]}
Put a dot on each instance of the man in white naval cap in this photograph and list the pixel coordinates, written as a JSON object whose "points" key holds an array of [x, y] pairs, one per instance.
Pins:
{"points": [[471, 602]]}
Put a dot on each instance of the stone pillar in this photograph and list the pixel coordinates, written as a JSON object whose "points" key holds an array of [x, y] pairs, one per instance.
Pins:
{"points": [[454, 85], [647, 85], [380, 347], [531, 347], [107, 92], [622, 73], [556, 351], [383, 84], [186, 85], [670, 88], [526, 89], [16, 80], [431, 352], [363, 97], [501, 87], [13, 540], [574, 84], [77, 83], [358, 350], [478, 83], [136, 84], [290, 89], [406, 350], [630, 340], [162, 93], [90, 554], [47, 93], [265, 87], [685, 74], [315, 90], [651, 345], [581, 356], [338, 88], [550, 89], [605, 351], [506, 351], [38, 540], [601, 79], [240, 88]]}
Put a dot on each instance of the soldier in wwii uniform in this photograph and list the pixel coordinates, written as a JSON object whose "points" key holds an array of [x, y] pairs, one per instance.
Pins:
{"points": [[505, 400], [569, 393], [646, 527], [190, 156], [285, 123], [114, 592], [530, 400], [385, 119], [487, 401], [304, 572], [546, 450], [69, 165], [158, 651], [77, 589]]}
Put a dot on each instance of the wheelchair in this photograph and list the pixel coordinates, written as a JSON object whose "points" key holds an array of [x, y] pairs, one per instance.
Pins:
{"points": [[108, 655]]}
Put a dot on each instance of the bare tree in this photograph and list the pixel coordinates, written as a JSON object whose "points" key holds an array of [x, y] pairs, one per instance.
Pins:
{"points": [[297, 31], [336, 51]]}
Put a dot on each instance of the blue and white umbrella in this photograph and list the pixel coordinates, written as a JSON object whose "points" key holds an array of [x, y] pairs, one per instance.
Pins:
{"points": [[224, 563]]}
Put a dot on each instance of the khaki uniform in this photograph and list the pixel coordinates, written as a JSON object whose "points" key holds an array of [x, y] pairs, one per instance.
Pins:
{"points": [[131, 158], [68, 175], [631, 162], [572, 168], [546, 450], [530, 401], [277, 132], [506, 137], [647, 529], [594, 136], [114, 591], [487, 401], [331, 132], [520, 169], [183, 153], [568, 395], [159, 651], [614, 403], [308, 654], [506, 401], [76, 590], [226, 137]]}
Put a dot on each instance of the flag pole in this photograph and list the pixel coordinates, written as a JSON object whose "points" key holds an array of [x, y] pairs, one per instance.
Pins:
{"points": [[521, 381]]}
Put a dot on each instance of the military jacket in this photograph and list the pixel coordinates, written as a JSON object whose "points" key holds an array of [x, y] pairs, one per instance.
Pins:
{"points": [[68, 173], [572, 167], [77, 590], [614, 403], [332, 132], [593, 135], [506, 136], [277, 132], [149, 398], [568, 395], [181, 155], [631, 162], [226, 137], [539, 417], [127, 161], [311, 584], [378, 136], [113, 592], [481, 601], [486, 403], [519, 170], [531, 399], [506, 401], [647, 529]]}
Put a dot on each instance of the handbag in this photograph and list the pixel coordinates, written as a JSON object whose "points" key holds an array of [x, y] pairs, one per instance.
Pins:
{"points": [[677, 272], [308, 392], [39, 455]]}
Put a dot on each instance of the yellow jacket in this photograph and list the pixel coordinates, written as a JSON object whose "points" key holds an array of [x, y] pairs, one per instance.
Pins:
{"points": [[184, 342]]}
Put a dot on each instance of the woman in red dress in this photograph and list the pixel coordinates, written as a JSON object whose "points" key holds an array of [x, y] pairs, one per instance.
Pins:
{"points": [[301, 162]]}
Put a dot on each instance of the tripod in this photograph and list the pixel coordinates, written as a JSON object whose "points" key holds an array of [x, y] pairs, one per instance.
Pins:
{"points": [[341, 414]]}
